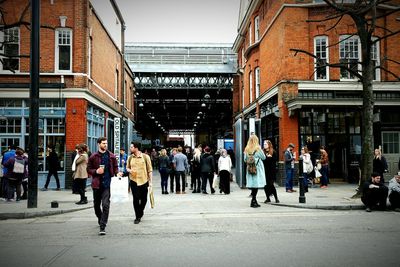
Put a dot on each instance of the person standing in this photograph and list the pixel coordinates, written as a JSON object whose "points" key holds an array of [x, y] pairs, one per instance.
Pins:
{"points": [[16, 172], [207, 168], [289, 168], [379, 164], [4, 181], [172, 169], [374, 193], [224, 168], [140, 175], [324, 161], [164, 163], [394, 192], [270, 171], [102, 165], [255, 172], [122, 160], [80, 175], [181, 166], [154, 158], [307, 166], [196, 170], [53, 165]]}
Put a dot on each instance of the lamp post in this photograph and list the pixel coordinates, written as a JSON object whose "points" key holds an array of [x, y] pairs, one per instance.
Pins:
{"points": [[302, 197]]}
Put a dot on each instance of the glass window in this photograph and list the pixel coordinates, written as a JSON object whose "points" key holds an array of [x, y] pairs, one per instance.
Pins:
{"points": [[250, 87], [321, 51], [10, 125], [250, 35], [391, 142], [349, 56], [257, 70], [63, 50], [9, 49], [256, 28], [375, 60]]}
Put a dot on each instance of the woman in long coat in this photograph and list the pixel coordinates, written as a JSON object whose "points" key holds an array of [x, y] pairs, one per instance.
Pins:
{"points": [[257, 180]]}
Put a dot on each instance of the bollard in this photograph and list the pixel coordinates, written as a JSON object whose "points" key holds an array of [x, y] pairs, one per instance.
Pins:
{"points": [[302, 197]]}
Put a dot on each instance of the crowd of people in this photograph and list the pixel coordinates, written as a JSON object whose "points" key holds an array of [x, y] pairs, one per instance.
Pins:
{"points": [[209, 169]]}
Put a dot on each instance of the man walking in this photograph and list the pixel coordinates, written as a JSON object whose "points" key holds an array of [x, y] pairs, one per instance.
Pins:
{"points": [[181, 165], [140, 175], [102, 166]]}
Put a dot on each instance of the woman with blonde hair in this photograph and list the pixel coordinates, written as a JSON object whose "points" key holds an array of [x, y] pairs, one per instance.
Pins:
{"points": [[164, 163], [255, 173], [196, 170]]}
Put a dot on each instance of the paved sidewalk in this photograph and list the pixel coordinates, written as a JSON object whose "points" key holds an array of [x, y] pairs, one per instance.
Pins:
{"points": [[335, 197]]}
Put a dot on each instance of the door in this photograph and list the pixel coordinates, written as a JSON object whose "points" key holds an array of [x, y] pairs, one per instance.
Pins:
{"points": [[391, 151]]}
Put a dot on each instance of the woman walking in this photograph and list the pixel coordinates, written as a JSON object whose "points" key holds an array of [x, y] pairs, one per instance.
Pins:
{"points": [[164, 164], [80, 174], [224, 167], [307, 167], [255, 173], [270, 171]]}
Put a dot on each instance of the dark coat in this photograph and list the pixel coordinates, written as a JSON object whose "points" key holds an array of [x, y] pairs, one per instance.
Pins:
{"points": [[270, 166], [9, 164], [94, 163], [207, 163], [53, 162]]}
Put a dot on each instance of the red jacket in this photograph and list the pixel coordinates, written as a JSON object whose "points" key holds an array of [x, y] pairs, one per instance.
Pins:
{"points": [[94, 163]]}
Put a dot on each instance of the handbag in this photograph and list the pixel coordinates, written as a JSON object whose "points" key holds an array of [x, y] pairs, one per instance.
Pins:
{"points": [[119, 189], [319, 165], [151, 196], [318, 175], [216, 180]]}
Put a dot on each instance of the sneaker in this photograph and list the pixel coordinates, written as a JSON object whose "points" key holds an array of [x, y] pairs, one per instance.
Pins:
{"points": [[43, 189], [267, 201], [368, 210], [102, 231]]}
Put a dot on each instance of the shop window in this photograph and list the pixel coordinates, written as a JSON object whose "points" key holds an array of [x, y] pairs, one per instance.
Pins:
{"points": [[10, 125], [257, 71], [9, 49]]}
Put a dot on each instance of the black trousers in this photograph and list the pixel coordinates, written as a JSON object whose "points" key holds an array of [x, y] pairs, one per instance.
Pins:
{"points": [[204, 177], [375, 197], [172, 180], [270, 189], [180, 175], [139, 194], [224, 181], [394, 199], [80, 187], [196, 180], [101, 197]]}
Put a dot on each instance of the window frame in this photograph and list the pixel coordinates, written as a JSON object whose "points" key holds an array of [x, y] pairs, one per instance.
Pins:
{"points": [[57, 51], [250, 87], [2, 49], [256, 29], [326, 58], [258, 83]]}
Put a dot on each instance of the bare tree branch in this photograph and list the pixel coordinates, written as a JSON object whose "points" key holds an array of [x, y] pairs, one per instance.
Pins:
{"points": [[388, 71], [390, 60], [385, 36], [344, 39]]}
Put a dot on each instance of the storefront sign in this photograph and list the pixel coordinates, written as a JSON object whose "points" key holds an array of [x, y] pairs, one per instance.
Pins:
{"points": [[117, 137]]}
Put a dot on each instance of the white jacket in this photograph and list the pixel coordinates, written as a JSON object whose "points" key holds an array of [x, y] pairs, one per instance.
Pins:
{"points": [[224, 163]]}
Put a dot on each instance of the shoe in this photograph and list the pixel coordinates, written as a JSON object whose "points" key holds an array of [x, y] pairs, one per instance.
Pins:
{"points": [[58, 189], [323, 186], [183, 192], [204, 192], [254, 204], [267, 201], [136, 221], [212, 191], [81, 202], [166, 192], [289, 191], [178, 192], [24, 196], [43, 189], [102, 231], [368, 210], [18, 199], [294, 190], [194, 192], [277, 201], [198, 191]]}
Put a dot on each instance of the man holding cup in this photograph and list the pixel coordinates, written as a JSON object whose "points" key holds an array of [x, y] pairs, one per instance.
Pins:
{"points": [[102, 166]]}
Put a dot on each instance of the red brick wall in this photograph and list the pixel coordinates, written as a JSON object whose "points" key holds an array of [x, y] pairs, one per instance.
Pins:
{"points": [[75, 122]]}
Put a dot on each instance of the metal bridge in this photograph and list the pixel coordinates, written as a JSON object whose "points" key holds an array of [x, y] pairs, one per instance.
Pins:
{"points": [[183, 87]]}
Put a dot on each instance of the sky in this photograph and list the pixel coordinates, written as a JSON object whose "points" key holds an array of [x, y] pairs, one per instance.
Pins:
{"points": [[204, 21]]}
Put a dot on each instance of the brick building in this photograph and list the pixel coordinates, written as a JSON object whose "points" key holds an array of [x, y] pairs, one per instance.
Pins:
{"points": [[285, 98], [85, 84]]}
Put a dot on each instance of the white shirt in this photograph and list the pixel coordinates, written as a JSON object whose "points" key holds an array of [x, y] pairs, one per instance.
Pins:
{"points": [[225, 163]]}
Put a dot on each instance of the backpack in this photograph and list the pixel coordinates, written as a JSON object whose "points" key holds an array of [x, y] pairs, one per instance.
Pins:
{"points": [[19, 166], [251, 164]]}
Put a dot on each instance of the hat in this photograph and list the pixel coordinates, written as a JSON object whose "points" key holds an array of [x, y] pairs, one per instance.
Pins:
{"points": [[291, 145]]}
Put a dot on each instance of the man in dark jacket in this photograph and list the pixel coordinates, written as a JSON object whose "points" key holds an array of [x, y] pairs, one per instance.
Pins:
{"points": [[53, 165], [374, 193], [102, 166]]}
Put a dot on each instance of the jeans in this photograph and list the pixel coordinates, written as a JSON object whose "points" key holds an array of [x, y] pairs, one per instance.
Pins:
{"points": [[101, 197], [164, 179], [289, 178], [178, 175], [172, 178], [55, 176], [305, 180], [324, 173], [139, 194]]}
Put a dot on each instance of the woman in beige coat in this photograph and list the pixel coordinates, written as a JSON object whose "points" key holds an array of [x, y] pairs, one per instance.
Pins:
{"points": [[80, 174]]}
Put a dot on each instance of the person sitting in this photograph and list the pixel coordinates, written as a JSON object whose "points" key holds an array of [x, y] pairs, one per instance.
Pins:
{"points": [[374, 193], [394, 192]]}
